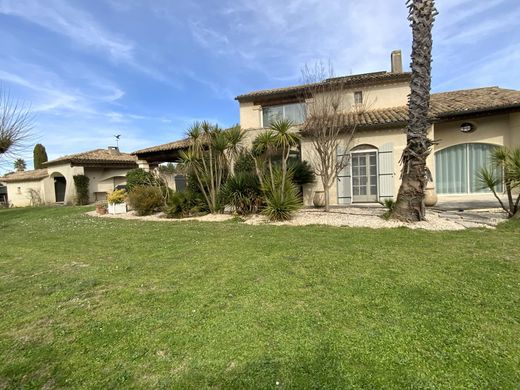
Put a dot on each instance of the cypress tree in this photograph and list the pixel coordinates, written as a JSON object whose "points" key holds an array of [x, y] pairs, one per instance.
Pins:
{"points": [[39, 156]]}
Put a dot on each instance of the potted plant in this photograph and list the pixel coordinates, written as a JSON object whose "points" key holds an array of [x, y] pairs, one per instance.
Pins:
{"points": [[117, 202], [101, 207]]}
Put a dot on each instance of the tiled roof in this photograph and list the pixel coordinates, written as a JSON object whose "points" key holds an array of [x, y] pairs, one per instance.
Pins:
{"points": [[36, 174], [345, 81], [181, 144], [97, 156], [443, 106], [475, 100]]}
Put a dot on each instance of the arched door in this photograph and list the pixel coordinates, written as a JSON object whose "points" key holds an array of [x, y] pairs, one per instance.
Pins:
{"points": [[456, 168], [60, 184]]}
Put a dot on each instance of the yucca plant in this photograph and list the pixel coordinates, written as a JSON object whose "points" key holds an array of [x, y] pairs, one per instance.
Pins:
{"points": [[243, 193], [209, 158], [504, 171], [281, 199], [281, 194]]}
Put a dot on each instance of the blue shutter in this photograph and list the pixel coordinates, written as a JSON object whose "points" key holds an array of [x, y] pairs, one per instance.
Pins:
{"points": [[386, 172], [344, 181]]}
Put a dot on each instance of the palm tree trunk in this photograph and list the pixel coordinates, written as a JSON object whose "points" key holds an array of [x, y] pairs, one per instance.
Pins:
{"points": [[415, 174]]}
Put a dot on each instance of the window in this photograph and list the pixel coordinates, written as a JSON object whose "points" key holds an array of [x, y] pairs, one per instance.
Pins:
{"points": [[358, 97], [293, 112]]}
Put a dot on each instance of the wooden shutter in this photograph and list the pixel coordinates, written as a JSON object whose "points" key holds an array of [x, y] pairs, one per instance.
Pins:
{"points": [[344, 181], [386, 172]]}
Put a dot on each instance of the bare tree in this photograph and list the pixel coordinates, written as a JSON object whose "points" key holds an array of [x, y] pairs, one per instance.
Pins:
{"points": [[16, 123], [409, 205], [331, 121]]}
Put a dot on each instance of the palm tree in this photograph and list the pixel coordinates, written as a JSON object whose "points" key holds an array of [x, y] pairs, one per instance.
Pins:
{"points": [[504, 171], [415, 174], [20, 164]]}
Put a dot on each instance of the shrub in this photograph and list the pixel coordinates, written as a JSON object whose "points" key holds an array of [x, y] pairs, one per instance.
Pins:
{"points": [[117, 196], [282, 199], [244, 162], [302, 172], [242, 192], [390, 206], [503, 174], [81, 182], [184, 204], [139, 177], [145, 199]]}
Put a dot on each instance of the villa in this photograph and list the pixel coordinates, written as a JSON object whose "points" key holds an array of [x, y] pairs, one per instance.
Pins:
{"points": [[106, 169]]}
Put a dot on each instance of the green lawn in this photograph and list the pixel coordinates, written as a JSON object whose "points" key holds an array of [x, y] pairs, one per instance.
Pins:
{"points": [[98, 303]]}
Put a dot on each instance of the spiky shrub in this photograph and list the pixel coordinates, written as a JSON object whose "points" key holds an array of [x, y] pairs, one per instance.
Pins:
{"points": [[243, 193], [81, 182], [281, 196], [184, 204], [145, 200], [503, 172], [209, 159]]}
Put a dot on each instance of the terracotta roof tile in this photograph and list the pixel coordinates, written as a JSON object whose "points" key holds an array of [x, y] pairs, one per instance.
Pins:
{"points": [[97, 156], [443, 106], [345, 81], [170, 146], [36, 174]]}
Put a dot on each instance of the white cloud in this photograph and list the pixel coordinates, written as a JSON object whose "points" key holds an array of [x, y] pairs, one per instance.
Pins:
{"points": [[60, 17]]}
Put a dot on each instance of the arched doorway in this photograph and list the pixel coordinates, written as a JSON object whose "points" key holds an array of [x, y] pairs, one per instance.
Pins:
{"points": [[60, 186], [456, 168]]}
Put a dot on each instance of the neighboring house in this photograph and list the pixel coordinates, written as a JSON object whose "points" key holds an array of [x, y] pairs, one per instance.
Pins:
{"points": [[106, 168], [467, 124]]}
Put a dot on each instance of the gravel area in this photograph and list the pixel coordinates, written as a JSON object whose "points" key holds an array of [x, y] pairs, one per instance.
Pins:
{"points": [[369, 217]]}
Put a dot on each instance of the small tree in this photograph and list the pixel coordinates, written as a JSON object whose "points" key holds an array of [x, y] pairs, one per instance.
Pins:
{"points": [[504, 170], [81, 182], [16, 123], [326, 110], [20, 165], [208, 159], [39, 156]]}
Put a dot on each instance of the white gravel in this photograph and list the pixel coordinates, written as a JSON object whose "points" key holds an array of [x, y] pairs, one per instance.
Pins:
{"points": [[369, 217]]}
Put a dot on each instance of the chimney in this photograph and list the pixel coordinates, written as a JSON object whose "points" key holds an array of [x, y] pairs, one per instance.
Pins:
{"points": [[397, 61], [113, 150]]}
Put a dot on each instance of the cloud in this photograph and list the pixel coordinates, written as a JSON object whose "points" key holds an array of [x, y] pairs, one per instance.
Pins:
{"points": [[58, 16]]}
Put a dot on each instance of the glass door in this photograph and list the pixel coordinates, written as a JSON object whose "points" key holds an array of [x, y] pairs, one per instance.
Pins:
{"points": [[364, 177]]}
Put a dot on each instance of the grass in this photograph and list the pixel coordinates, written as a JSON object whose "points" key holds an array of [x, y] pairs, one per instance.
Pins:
{"points": [[98, 303]]}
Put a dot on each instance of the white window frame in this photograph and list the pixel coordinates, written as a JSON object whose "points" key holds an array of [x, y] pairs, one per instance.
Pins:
{"points": [[283, 112], [367, 150]]}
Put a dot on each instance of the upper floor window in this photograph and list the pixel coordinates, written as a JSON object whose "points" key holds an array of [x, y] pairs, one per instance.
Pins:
{"points": [[293, 112], [358, 97]]}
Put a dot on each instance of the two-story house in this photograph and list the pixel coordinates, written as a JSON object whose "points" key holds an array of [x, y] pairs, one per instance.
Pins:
{"points": [[466, 125]]}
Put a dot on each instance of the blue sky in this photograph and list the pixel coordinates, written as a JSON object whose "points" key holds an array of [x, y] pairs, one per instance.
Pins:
{"points": [[147, 69]]}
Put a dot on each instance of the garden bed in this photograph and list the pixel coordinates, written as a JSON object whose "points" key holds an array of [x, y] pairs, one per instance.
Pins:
{"points": [[370, 217]]}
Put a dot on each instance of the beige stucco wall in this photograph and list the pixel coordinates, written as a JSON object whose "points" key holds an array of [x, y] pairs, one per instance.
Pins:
{"points": [[375, 97], [19, 194], [514, 130], [67, 171], [103, 180], [494, 130], [375, 138]]}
